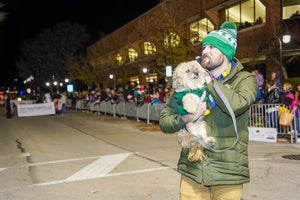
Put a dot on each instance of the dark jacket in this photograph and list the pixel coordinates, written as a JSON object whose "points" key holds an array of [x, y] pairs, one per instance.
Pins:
{"points": [[231, 166], [273, 95]]}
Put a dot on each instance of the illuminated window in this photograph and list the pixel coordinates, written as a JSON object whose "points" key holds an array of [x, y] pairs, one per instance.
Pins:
{"points": [[151, 78], [172, 40], [290, 9], [132, 55], [246, 13], [199, 29], [119, 59], [134, 80], [149, 48]]}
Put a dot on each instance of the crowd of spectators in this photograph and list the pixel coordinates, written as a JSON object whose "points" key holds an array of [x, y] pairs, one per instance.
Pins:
{"points": [[138, 94], [271, 91]]}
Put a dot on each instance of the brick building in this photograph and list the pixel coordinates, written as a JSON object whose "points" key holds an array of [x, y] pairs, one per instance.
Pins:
{"points": [[129, 54]]}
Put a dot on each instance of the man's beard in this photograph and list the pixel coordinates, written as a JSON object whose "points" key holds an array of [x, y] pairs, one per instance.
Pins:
{"points": [[209, 64]]}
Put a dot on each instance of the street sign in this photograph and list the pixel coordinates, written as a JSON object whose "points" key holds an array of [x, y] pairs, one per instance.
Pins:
{"points": [[70, 88], [169, 71]]}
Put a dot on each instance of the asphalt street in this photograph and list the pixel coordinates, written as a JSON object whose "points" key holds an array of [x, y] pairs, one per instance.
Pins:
{"points": [[89, 156]]}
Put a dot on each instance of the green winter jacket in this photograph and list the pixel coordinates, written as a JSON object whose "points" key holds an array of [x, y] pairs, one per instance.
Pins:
{"points": [[231, 166]]}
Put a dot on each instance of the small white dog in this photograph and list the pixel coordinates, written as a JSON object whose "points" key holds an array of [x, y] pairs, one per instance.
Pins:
{"points": [[190, 90]]}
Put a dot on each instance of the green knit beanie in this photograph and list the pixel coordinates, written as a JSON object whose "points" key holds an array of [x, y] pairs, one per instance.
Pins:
{"points": [[223, 39]]}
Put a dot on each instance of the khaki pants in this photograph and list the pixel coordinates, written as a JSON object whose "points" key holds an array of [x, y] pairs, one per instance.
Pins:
{"points": [[191, 190]]}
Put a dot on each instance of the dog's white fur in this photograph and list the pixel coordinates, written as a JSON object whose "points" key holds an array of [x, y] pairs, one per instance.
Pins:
{"points": [[190, 76]]}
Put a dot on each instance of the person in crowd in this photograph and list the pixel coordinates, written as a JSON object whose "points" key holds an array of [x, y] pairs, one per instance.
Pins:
{"points": [[291, 102], [47, 97], [73, 102], [161, 91], [7, 106], [259, 20], [154, 96], [147, 98], [277, 81], [297, 91], [57, 101], [167, 94], [272, 97], [295, 15], [39, 98], [140, 96], [113, 98], [220, 175], [287, 88], [258, 79], [63, 98], [126, 92]]}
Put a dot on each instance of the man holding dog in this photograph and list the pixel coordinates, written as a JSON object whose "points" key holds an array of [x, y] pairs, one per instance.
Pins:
{"points": [[221, 175]]}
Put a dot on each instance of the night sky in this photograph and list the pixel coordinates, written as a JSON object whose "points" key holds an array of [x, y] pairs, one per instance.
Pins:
{"points": [[26, 18]]}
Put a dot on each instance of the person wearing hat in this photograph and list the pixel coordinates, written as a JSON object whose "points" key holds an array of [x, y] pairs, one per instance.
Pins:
{"points": [[220, 175]]}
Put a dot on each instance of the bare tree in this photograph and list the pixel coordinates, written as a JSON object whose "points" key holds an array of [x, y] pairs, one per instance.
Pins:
{"points": [[2, 14], [44, 56]]}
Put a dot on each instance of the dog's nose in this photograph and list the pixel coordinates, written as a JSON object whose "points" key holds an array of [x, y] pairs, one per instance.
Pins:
{"points": [[196, 75]]}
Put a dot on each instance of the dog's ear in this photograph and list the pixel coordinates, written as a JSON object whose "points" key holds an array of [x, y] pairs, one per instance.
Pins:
{"points": [[201, 69]]}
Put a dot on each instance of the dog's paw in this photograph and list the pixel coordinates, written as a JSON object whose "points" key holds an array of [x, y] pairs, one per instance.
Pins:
{"points": [[210, 141], [196, 154], [190, 103]]}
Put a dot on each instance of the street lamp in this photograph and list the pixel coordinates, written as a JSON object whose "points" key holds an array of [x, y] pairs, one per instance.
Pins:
{"points": [[286, 38], [145, 70], [112, 77]]}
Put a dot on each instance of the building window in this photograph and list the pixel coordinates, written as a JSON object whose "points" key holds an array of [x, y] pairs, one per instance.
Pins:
{"points": [[151, 78], [132, 55], [246, 13], [199, 29], [149, 48], [119, 59], [290, 9], [134, 80], [172, 40]]}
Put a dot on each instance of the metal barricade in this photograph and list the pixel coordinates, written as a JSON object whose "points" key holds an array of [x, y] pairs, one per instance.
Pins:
{"points": [[260, 115], [267, 116]]}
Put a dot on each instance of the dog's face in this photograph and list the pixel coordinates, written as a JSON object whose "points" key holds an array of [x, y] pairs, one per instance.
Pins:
{"points": [[188, 75]]}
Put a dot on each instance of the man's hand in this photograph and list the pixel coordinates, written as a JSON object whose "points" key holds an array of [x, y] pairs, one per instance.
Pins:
{"points": [[200, 111]]}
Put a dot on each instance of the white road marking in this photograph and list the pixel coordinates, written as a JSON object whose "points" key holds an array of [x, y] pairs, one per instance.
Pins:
{"points": [[55, 161], [99, 167], [102, 176], [2, 169]]}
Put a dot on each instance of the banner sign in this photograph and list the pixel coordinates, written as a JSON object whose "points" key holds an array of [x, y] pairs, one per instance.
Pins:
{"points": [[262, 134], [29, 110]]}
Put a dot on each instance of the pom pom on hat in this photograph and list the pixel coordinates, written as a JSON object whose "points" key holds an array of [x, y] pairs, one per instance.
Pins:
{"points": [[223, 39], [228, 25]]}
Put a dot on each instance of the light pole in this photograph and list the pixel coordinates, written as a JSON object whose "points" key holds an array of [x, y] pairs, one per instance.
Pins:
{"points": [[286, 38], [112, 77]]}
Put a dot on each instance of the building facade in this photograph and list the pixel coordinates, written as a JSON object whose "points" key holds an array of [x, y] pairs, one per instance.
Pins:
{"points": [[131, 54]]}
